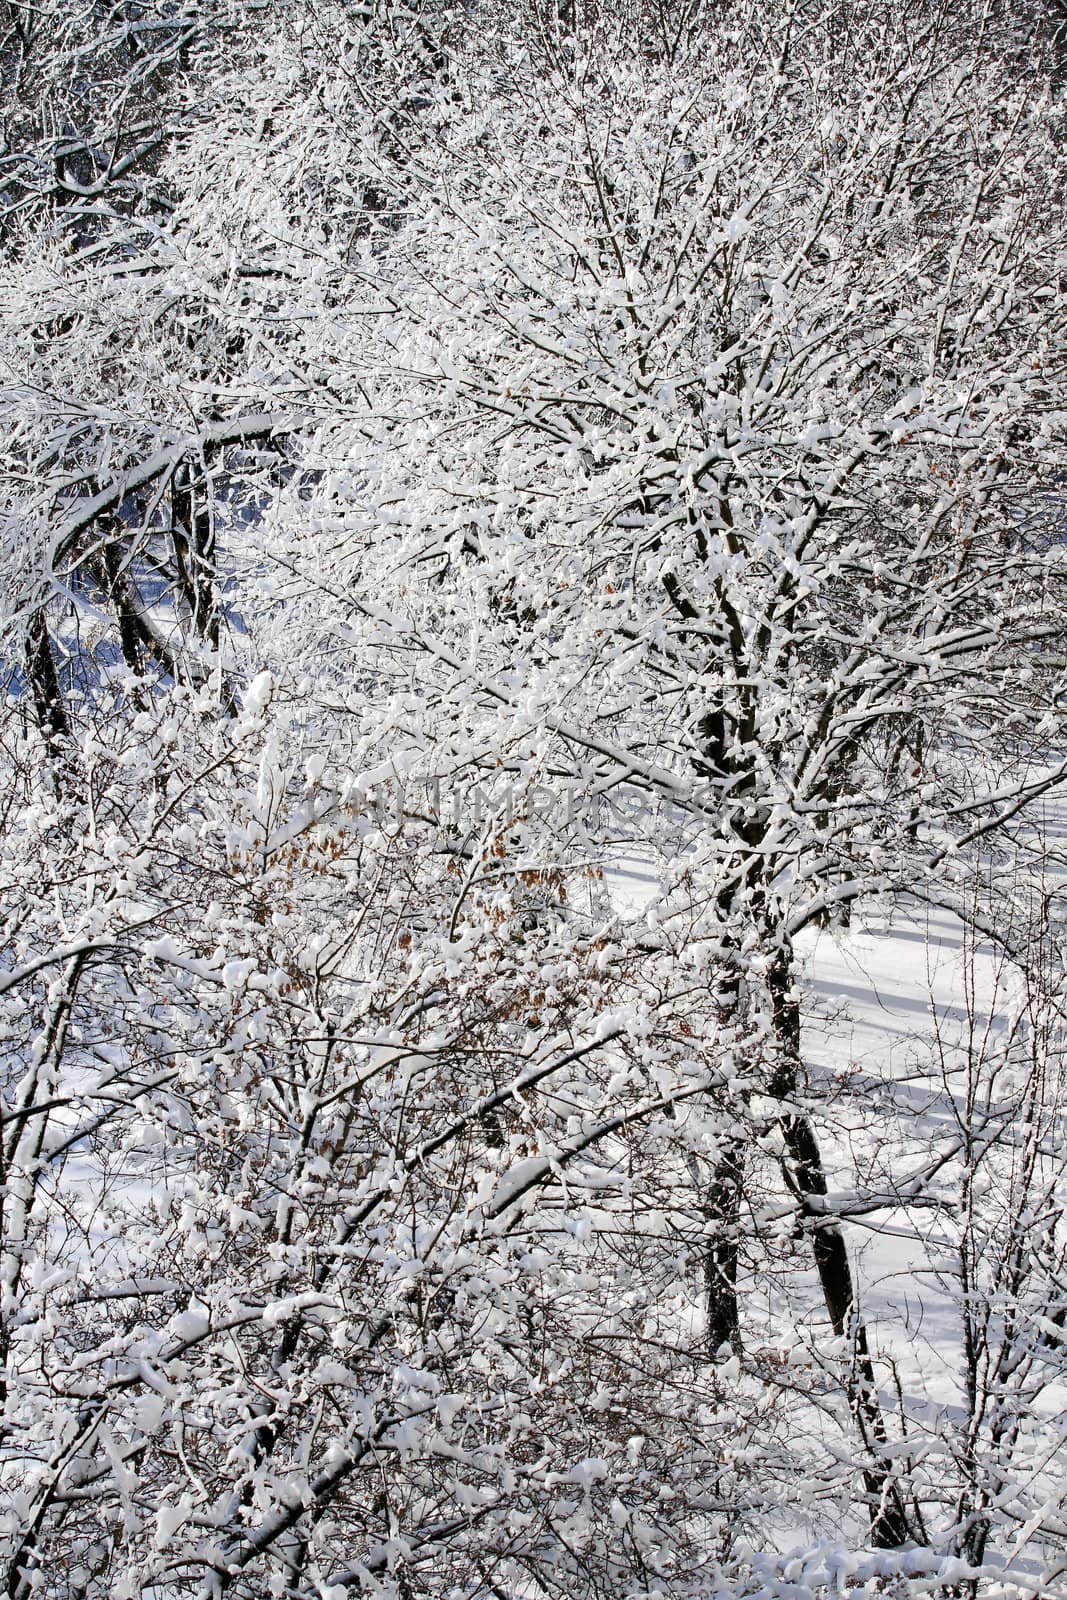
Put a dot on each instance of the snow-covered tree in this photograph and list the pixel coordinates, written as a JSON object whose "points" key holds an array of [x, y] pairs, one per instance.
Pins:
{"points": [[718, 410], [512, 445]]}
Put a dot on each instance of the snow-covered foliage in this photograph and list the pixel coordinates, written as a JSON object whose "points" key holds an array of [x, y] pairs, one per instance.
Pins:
{"points": [[521, 526]]}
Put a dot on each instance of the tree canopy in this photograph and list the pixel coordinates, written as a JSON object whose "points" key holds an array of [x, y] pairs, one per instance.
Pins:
{"points": [[515, 518]]}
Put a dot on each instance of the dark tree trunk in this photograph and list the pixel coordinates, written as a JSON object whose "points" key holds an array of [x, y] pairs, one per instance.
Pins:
{"points": [[112, 581], [723, 1211], [722, 1215], [193, 533], [137, 640], [804, 1173], [44, 684]]}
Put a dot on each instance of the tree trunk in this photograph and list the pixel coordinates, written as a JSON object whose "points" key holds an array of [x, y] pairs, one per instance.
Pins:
{"points": [[722, 1216], [44, 684], [723, 1212], [193, 534], [803, 1170]]}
